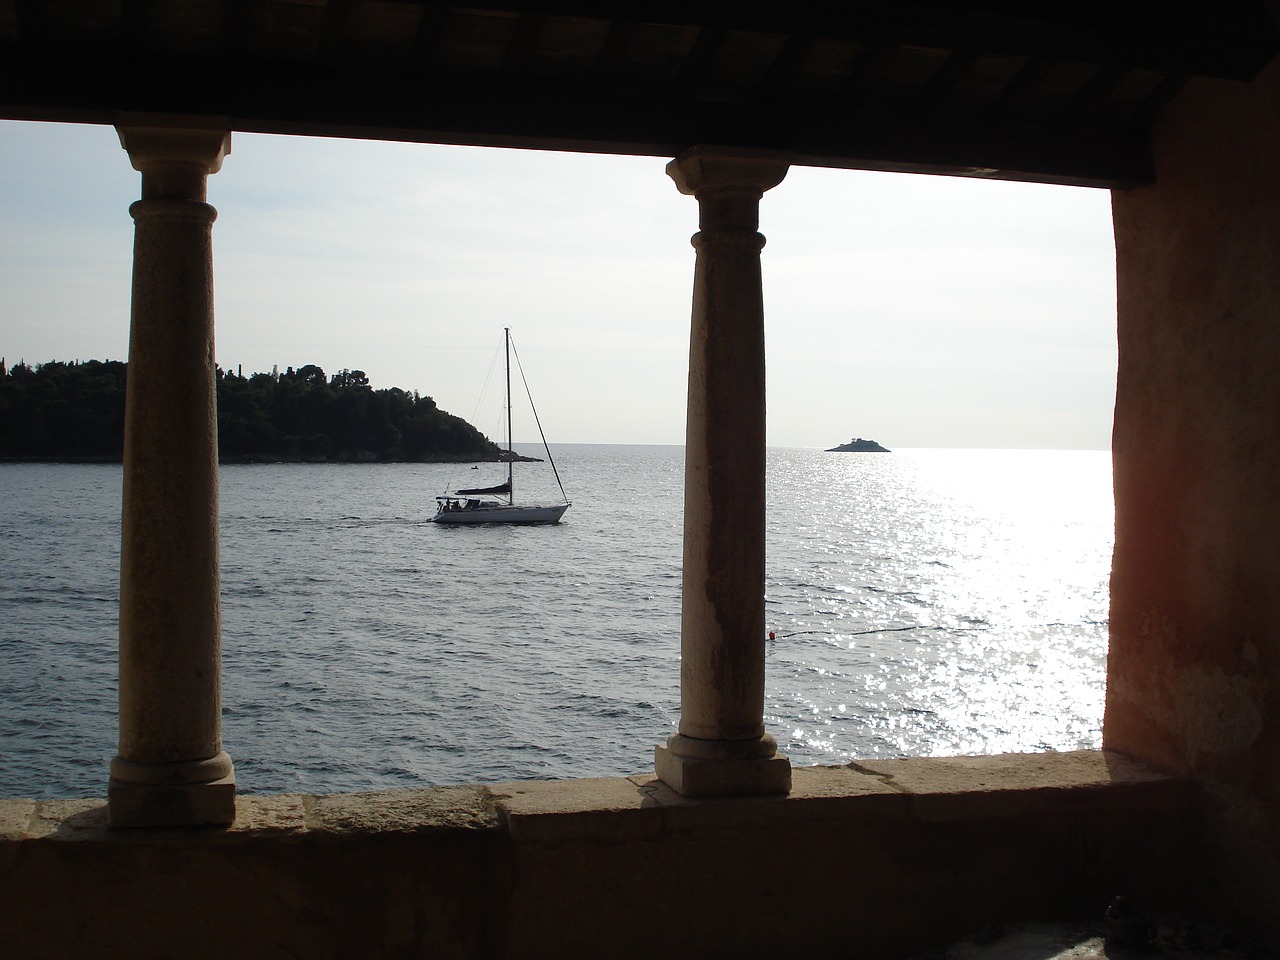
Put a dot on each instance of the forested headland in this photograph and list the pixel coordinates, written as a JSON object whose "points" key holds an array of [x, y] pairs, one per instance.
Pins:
{"points": [[75, 412]]}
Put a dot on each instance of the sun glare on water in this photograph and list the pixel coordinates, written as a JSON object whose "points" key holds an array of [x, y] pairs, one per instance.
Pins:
{"points": [[941, 602]]}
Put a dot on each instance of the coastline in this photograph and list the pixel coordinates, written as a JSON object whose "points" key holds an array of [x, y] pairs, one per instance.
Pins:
{"points": [[337, 461]]}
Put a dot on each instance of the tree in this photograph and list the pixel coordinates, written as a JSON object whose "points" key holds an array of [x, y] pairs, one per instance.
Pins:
{"points": [[61, 410]]}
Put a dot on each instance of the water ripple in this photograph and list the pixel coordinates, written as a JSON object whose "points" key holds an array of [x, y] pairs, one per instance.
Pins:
{"points": [[924, 603]]}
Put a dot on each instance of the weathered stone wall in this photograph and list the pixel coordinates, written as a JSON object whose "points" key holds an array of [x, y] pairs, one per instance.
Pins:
{"points": [[1194, 667], [880, 860]]}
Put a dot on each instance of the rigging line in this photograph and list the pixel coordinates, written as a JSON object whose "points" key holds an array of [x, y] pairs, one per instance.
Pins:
{"points": [[484, 392], [545, 445]]}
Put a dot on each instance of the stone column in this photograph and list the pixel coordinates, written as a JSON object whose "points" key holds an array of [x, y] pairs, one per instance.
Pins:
{"points": [[722, 749], [171, 769], [1193, 666]]}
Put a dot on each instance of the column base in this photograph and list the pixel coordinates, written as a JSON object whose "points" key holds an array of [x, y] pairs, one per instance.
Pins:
{"points": [[172, 794], [732, 774]]}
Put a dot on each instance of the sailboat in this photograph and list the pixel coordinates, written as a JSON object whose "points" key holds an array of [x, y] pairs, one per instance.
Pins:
{"points": [[497, 504]]}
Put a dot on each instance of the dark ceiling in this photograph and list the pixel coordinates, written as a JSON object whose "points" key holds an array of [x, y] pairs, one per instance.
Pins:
{"points": [[1053, 91]]}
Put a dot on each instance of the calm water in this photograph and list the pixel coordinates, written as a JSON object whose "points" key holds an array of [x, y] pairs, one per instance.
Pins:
{"points": [[924, 602]]}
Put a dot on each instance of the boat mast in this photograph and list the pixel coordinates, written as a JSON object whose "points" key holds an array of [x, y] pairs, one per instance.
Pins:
{"points": [[511, 490]]}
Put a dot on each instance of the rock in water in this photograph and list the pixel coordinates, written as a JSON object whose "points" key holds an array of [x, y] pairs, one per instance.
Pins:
{"points": [[858, 445]]}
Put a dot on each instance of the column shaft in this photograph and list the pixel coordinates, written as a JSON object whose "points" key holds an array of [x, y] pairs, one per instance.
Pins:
{"points": [[722, 601], [722, 748], [171, 769]]}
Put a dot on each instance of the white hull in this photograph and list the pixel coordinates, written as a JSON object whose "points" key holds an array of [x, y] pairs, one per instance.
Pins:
{"points": [[462, 509], [503, 513]]}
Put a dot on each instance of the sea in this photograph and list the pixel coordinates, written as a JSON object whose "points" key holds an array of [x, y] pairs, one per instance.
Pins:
{"points": [[920, 603]]}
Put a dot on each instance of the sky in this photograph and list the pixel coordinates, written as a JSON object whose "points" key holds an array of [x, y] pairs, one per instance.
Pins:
{"points": [[918, 311]]}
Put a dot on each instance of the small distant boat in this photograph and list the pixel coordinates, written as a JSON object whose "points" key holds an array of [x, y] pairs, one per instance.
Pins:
{"points": [[497, 504]]}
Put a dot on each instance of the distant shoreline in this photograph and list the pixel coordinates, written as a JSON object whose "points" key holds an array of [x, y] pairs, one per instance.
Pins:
{"points": [[557, 445], [295, 461]]}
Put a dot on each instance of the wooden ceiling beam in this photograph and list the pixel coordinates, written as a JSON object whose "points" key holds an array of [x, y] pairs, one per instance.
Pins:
{"points": [[237, 22], [337, 22], [528, 29], [30, 21], [635, 82], [354, 103], [430, 36], [1234, 41], [867, 68], [943, 82], [1087, 100], [1145, 114], [621, 33], [1026, 79], [135, 23], [698, 64], [780, 78]]}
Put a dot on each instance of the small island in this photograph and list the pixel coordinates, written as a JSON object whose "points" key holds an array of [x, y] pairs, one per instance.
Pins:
{"points": [[858, 445]]}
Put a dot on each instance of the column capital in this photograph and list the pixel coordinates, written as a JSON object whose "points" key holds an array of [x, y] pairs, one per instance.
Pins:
{"points": [[174, 162], [703, 169], [159, 145]]}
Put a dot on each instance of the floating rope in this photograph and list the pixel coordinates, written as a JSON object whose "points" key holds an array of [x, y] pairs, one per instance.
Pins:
{"points": [[919, 626], [856, 633]]}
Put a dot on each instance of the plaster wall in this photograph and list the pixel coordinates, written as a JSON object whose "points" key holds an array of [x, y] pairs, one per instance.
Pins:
{"points": [[1194, 665], [874, 860]]}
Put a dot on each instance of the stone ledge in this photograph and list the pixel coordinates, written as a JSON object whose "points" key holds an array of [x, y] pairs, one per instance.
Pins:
{"points": [[71, 820], [15, 818], [642, 807], [465, 807], [958, 788], [283, 813], [818, 794], [553, 811]]}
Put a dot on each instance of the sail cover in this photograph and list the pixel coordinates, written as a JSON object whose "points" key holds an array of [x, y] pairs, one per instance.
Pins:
{"points": [[500, 488]]}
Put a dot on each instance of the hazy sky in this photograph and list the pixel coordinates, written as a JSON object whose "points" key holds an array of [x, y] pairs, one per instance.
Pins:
{"points": [[919, 311]]}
